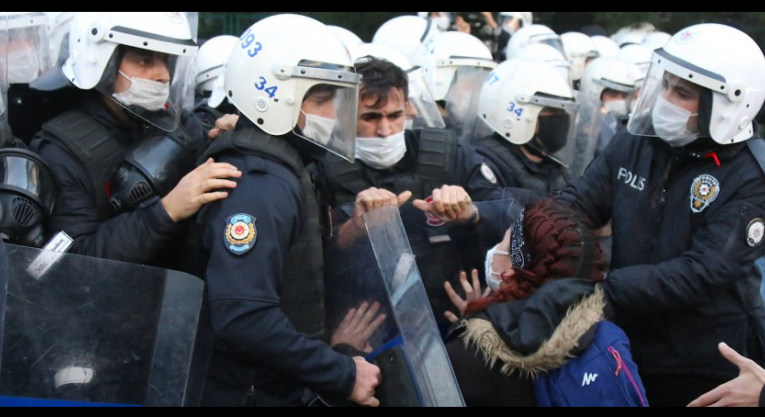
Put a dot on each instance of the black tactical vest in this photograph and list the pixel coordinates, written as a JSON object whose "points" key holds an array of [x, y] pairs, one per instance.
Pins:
{"points": [[513, 172], [94, 145], [302, 297], [436, 166]]}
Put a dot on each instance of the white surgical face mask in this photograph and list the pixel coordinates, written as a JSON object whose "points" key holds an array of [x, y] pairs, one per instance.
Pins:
{"points": [[318, 128], [670, 122], [23, 67], [442, 23], [148, 94], [381, 153], [493, 279], [616, 107]]}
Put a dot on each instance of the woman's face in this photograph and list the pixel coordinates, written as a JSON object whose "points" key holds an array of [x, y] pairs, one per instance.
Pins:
{"points": [[503, 263]]}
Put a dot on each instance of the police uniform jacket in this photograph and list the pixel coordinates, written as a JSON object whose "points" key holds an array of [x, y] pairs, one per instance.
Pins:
{"points": [[687, 228], [136, 236], [260, 358]]}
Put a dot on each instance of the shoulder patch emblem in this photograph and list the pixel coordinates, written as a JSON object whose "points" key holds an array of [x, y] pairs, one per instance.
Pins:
{"points": [[704, 191], [241, 234], [488, 174], [755, 232]]}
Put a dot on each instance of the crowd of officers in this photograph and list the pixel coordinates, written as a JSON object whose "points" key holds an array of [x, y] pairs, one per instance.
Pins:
{"points": [[652, 137]]}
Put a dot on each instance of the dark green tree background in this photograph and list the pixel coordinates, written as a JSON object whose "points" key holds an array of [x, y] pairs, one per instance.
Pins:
{"points": [[364, 24]]}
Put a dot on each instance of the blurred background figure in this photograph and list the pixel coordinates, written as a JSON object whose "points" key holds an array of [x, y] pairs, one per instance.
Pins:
{"points": [[406, 34], [634, 33], [535, 33], [606, 46], [349, 38], [455, 65], [510, 23], [580, 50], [210, 101]]}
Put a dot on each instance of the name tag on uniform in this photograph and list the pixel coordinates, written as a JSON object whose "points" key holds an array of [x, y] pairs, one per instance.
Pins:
{"points": [[56, 247]]}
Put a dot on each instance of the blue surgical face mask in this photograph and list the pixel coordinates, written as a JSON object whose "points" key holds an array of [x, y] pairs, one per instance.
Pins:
{"points": [[671, 123]]}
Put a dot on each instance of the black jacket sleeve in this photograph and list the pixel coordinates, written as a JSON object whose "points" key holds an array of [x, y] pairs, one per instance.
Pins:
{"points": [[717, 257], [244, 290], [592, 194], [135, 237]]}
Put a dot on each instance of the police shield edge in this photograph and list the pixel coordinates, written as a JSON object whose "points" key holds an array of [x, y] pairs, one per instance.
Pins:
{"points": [[377, 265], [83, 331], [4, 273], [401, 257]]}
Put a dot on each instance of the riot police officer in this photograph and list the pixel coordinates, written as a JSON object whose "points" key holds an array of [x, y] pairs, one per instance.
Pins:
{"points": [[134, 88], [685, 190], [294, 84], [526, 110]]}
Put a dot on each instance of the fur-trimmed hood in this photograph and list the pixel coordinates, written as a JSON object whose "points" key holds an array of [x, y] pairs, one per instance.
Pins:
{"points": [[557, 336]]}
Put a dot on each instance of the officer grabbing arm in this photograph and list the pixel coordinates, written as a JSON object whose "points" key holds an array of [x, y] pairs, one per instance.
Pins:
{"points": [[294, 84], [685, 190], [134, 88]]}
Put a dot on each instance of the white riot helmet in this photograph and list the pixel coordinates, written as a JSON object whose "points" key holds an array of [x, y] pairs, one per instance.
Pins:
{"points": [[656, 40], [634, 33], [456, 64], [405, 34], [349, 38], [99, 40], [211, 61], [638, 55], [27, 50], [532, 34], [283, 59], [608, 73], [509, 18], [426, 112], [579, 49], [726, 63], [515, 94], [605, 45], [546, 53]]}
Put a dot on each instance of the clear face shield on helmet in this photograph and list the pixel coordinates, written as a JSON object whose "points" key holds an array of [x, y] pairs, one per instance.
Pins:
{"points": [[555, 134], [422, 108], [668, 105], [150, 84], [328, 114], [551, 39], [27, 51], [3, 70], [462, 99], [589, 121]]}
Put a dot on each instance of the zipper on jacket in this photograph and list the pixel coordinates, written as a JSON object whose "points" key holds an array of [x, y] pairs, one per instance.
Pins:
{"points": [[620, 366]]}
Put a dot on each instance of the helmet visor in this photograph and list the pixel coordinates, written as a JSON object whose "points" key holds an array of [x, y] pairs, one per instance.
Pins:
{"points": [[661, 83], [327, 116], [423, 105], [149, 84], [26, 52], [462, 99]]}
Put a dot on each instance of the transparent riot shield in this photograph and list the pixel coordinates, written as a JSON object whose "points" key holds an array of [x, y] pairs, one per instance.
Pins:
{"points": [[373, 262], [589, 123], [84, 331], [379, 258], [4, 272]]}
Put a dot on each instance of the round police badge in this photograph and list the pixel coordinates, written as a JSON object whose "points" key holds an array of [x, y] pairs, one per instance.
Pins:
{"points": [[755, 232], [704, 191], [488, 174], [241, 234]]}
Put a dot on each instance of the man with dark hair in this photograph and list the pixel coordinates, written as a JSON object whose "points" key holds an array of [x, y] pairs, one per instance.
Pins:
{"points": [[423, 163]]}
